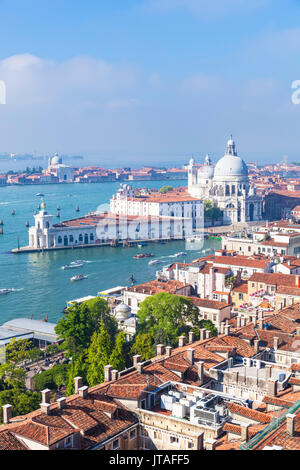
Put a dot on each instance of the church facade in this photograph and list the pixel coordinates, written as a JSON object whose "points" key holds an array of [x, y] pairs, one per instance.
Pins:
{"points": [[227, 185]]}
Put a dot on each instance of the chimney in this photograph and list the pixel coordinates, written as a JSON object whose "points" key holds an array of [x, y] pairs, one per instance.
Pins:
{"points": [[222, 328], [227, 330], [181, 341], [190, 355], [243, 321], [160, 349], [84, 391], [107, 373], [136, 359], [46, 395], [290, 424], [200, 365], [256, 345], [114, 375], [61, 403], [45, 408], [169, 351], [261, 323], [7, 413], [191, 337], [238, 322], [207, 334], [202, 334], [139, 367], [210, 444], [254, 320], [276, 342], [78, 383], [245, 432]]}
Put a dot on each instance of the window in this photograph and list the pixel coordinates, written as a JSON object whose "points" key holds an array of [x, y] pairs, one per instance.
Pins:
{"points": [[59, 240], [116, 444], [157, 435], [68, 442], [174, 440], [80, 238], [132, 434]]}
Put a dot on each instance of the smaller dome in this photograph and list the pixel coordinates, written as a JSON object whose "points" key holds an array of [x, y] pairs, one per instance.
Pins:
{"points": [[56, 160], [206, 172], [122, 312]]}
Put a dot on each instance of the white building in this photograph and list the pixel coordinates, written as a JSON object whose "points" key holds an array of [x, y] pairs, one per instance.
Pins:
{"points": [[227, 186], [64, 173]]}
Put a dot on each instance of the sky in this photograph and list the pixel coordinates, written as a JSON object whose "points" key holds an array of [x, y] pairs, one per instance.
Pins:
{"points": [[133, 82]]}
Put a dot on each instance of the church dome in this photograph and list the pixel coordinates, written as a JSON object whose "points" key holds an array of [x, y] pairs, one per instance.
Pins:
{"points": [[122, 312], [56, 160], [231, 164], [206, 172]]}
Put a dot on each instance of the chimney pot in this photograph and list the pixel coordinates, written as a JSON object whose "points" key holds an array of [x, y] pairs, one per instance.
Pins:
{"points": [[207, 334], [276, 342], [181, 341], [45, 408], [139, 367], [107, 373], [191, 337], [114, 375], [245, 431], [202, 334], [190, 355], [160, 349], [78, 383], [136, 359], [84, 391], [46, 395], [256, 345], [200, 365], [227, 330], [61, 403], [169, 351], [238, 322], [7, 413], [290, 424]]}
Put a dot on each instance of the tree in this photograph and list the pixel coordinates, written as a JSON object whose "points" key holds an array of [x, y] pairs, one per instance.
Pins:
{"points": [[77, 369], [18, 350], [165, 189], [118, 356], [211, 212], [98, 355], [143, 346], [208, 325], [51, 377], [81, 322], [22, 401], [173, 314]]}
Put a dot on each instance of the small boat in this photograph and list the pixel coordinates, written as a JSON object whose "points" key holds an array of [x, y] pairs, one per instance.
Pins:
{"points": [[79, 261], [79, 277], [77, 209], [72, 266], [141, 244], [154, 261], [13, 212], [40, 195], [143, 255], [6, 291], [181, 253]]}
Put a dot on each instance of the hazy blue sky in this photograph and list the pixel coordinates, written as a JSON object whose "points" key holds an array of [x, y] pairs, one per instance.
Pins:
{"points": [[125, 81]]}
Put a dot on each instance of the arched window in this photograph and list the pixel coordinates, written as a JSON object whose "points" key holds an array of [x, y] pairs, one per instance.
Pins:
{"points": [[227, 193], [92, 237], [71, 239], [80, 238], [47, 225], [59, 240]]}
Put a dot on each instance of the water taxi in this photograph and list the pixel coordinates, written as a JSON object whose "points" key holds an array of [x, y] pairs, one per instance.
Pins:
{"points": [[182, 253], [6, 291], [143, 255], [154, 261], [72, 266], [79, 277]]}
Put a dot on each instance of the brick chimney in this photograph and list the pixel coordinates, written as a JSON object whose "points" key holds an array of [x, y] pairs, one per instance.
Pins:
{"points": [[290, 424], [181, 341], [46, 395], [202, 334], [78, 383], [136, 359], [107, 373], [169, 351], [200, 365], [245, 432], [227, 330], [61, 403], [7, 413], [190, 355], [191, 337], [207, 334], [45, 408], [139, 368], [114, 375], [84, 391], [276, 342], [160, 349], [256, 345]]}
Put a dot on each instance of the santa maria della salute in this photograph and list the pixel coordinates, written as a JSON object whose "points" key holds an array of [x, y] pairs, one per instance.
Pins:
{"points": [[227, 185]]}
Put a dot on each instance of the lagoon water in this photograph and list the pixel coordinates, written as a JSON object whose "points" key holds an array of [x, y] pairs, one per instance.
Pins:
{"points": [[42, 287]]}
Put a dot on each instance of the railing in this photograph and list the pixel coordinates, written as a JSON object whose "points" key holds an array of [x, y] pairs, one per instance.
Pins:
{"points": [[275, 423]]}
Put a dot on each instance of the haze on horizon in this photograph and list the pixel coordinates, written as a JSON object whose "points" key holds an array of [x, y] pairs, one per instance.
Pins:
{"points": [[154, 81]]}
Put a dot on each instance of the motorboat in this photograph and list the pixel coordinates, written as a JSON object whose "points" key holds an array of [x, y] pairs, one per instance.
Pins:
{"points": [[80, 261], [79, 277], [6, 291], [143, 255], [40, 195], [72, 266], [182, 253], [154, 261]]}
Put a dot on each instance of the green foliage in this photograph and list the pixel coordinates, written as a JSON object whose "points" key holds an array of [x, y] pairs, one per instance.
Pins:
{"points": [[167, 313], [22, 401], [52, 378], [81, 322], [208, 325], [18, 350], [77, 369], [211, 212], [165, 189], [98, 355], [143, 346], [118, 356], [52, 349]]}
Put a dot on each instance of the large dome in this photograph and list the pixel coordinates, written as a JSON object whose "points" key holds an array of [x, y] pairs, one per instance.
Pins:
{"points": [[122, 312], [56, 160], [231, 165]]}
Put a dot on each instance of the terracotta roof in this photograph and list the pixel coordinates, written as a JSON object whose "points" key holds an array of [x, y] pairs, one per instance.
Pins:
{"points": [[9, 442], [249, 413], [277, 279], [155, 287]]}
